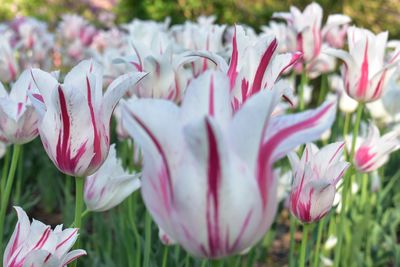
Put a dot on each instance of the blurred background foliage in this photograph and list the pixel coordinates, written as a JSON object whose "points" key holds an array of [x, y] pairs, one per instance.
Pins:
{"points": [[377, 15]]}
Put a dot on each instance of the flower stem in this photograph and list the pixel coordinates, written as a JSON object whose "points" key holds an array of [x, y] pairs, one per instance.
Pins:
{"points": [[346, 127], [323, 87], [147, 244], [165, 256], [79, 182], [364, 190], [5, 196], [292, 241], [303, 250], [20, 169], [5, 171], [321, 224], [347, 187], [303, 83]]}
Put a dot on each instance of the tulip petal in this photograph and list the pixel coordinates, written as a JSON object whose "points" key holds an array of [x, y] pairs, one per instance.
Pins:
{"points": [[288, 131], [153, 123], [73, 255], [117, 90], [208, 95], [20, 233]]}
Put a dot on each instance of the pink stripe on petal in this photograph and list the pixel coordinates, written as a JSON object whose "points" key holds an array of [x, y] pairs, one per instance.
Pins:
{"points": [[38, 97], [63, 149], [264, 161], [264, 62], [165, 176], [232, 72], [336, 152], [214, 183], [66, 240], [296, 56], [15, 243], [211, 97], [43, 238], [241, 233], [97, 158], [363, 83]]}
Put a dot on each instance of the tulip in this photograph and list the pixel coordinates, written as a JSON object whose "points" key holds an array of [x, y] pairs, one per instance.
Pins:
{"points": [[166, 79], [307, 25], [284, 34], [9, 68], [18, 119], [315, 176], [373, 152], [391, 96], [74, 117], [207, 177], [335, 29], [365, 73], [110, 185], [254, 65], [36, 244]]}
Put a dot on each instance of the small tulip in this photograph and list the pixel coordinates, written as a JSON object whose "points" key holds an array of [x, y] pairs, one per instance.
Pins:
{"points": [[18, 119], [9, 68], [315, 176], [36, 244], [110, 185], [75, 116], [374, 150], [365, 73]]}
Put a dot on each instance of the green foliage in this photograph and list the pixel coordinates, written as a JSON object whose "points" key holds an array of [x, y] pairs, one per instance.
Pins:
{"points": [[378, 15]]}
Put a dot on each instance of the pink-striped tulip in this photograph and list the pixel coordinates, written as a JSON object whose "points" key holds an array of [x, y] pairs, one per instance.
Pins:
{"points": [[207, 177], [254, 65], [9, 68], [365, 73], [335, 29], [374, 151], [166, 77], [37, 245], [18, 119], [110, 185], [315, 176], [307, 25], [310, 33], [75, 116]]}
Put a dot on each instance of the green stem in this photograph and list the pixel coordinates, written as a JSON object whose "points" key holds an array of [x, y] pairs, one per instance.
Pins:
{"points": [[132, 217], [292, 241], [165, 256], [303, 83], [322, 89], [388, 187], [303, 250], [346, 128], [5, 172], [147, 244], [204, 263], [321, 224], [5, 196], [217, 263], [347, 187], [364, 190], [79, 184], [20, 169]]}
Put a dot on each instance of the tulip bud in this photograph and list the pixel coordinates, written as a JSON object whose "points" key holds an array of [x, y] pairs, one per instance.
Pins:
{"points": [[36, 244], [315, 177]]}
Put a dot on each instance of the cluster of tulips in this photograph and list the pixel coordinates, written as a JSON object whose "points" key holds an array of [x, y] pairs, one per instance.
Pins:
{"points": [[209, 112]]}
